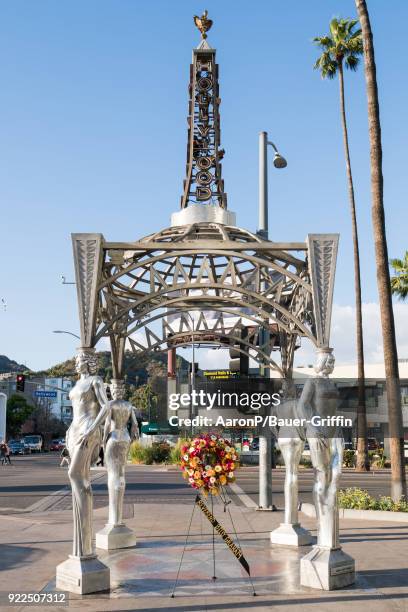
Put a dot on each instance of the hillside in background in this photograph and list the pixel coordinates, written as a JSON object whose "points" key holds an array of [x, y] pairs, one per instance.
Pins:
{"points": [[9, 365], [136, 367]]}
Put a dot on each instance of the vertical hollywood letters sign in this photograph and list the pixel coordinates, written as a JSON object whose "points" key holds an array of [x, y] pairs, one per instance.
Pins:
{"points": [[204, 173], [236, 550]]}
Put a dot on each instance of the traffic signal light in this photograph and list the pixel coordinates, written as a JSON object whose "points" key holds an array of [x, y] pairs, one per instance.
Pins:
{"points": [[20, 382], [239, 362]]}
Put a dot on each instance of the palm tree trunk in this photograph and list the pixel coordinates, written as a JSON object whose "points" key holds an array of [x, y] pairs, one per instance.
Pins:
{"points": [[362, 464], [396, 431]]}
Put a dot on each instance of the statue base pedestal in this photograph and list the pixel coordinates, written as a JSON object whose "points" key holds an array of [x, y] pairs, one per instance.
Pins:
{"points": [[327, 569], [112, 537], [83, 575], [291, 534]]}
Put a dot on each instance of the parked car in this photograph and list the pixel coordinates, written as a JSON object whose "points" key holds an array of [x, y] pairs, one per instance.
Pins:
{"points": [[35, 443], [17, 447], [57, 445]]}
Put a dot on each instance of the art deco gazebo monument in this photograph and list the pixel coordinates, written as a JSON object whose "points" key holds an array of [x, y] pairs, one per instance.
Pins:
{"points": [[206, 264]]}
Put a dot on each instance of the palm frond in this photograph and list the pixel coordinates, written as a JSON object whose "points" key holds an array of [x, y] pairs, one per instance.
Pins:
{"points": [[350, 24], [398, 265], [355, 45], [352, 62], [399, 282], [323, 41], [327, 65], [334, 28], [356, 34]]}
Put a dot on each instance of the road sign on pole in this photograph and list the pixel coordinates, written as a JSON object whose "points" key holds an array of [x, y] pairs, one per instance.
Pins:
{"points": [[41, 393]]}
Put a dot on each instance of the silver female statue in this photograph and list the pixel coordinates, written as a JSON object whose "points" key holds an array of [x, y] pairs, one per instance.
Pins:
{"points": [[291, 441], [326, 566], [82, 572], [320, 399], [116, 442], [89, 407]]}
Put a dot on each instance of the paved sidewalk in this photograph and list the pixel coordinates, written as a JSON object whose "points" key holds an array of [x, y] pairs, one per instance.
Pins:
{"points": [[32, 544]]}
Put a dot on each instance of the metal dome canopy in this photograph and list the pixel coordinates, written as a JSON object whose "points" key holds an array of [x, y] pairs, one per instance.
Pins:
{"points": [[126, 289], [203, 231]]}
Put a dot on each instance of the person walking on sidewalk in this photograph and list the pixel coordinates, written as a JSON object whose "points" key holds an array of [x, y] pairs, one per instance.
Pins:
{"points": [[64, 457], [2, 452], [5, 453]]}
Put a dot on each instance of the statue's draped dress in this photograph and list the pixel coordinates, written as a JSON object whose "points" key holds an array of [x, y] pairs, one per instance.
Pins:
{"points": [[117, 448]]}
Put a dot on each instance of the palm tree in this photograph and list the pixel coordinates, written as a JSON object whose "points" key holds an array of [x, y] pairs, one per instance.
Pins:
{"points": [[396, 431], [342, 47], [399, 282]]}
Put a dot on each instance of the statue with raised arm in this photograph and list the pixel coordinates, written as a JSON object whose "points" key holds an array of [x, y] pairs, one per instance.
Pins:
{"points": [[116, 442], [326, 566], [291, 441], [83, 572]]}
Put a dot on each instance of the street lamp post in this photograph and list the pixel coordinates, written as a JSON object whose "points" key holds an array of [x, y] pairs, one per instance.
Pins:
{"points": [[265, 439]]}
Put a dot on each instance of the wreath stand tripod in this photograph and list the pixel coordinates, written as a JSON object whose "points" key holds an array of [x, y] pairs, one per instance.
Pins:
{"points": [[235, 549]]}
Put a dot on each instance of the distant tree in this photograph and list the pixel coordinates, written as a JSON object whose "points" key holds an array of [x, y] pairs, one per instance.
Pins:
{"points": [[145, 399], [18, 411], [44, 422], [399, 282], [108, 374], [343, 46]]}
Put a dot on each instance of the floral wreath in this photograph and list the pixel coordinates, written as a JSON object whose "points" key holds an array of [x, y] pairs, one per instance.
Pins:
{"points": [[209, 462]]}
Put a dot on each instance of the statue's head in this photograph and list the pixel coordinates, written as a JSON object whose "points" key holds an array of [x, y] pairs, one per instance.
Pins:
{"points": [[325, 361], [117, 388], [86, 361]]}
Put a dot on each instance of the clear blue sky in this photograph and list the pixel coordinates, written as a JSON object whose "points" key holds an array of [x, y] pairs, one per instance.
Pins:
{"points": [[93, 109]]}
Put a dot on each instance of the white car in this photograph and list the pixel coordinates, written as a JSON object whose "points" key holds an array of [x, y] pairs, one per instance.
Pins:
{"points": [[34, 443]]}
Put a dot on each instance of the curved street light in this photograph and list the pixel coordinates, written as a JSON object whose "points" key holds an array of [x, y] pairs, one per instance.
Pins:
{"points": [[278, 161], [60, 331]]}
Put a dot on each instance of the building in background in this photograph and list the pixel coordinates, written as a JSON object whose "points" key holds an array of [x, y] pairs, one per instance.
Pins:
{"points": [[345, 378], [60, 405]]}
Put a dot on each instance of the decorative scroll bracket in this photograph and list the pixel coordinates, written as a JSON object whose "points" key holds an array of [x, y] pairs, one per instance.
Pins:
{"points": [[88, 256], [322, 259]]}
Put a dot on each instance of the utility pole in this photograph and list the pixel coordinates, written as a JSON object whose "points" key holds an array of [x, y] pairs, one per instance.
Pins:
{"points": [[265, 438]]}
